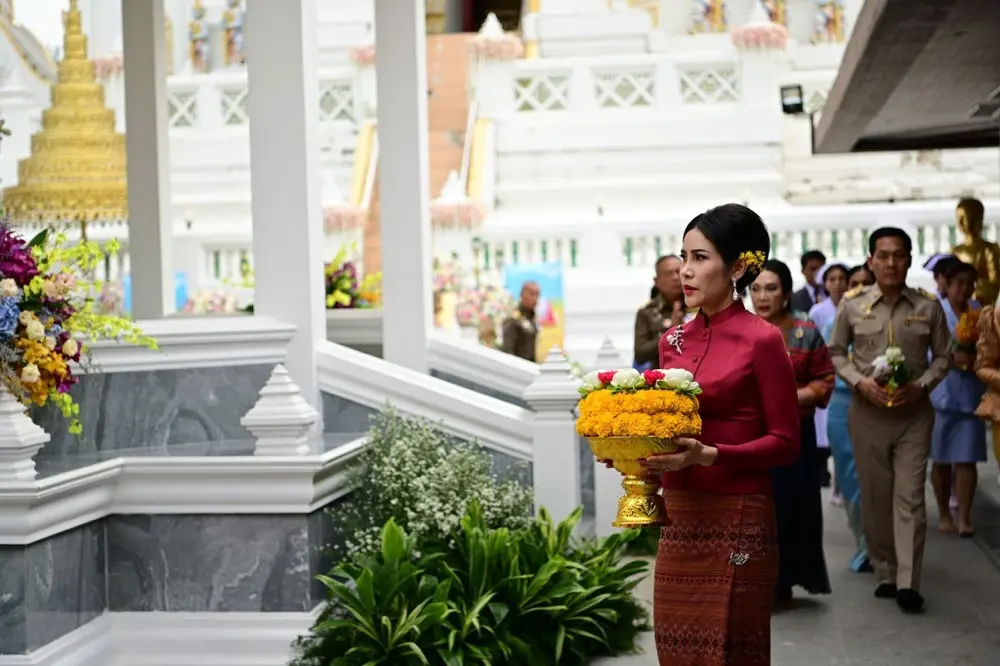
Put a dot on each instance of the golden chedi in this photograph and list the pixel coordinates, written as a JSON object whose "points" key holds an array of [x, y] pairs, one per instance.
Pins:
{"points": [[627, 416], [76, 171], [976, 250]]}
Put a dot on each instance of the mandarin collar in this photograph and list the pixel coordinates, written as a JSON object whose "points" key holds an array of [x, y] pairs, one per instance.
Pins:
{"points": [[701, 320]]}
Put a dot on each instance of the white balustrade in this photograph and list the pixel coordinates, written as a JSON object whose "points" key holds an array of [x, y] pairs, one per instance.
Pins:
{"points": [[20, 440], [210, 103], [555, 445], [635, 82]]}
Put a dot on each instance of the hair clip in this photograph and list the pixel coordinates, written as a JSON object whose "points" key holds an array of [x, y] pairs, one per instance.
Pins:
{"points": [[754, 260]]}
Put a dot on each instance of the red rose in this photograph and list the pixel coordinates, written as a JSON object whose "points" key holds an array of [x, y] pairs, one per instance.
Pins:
{"points": [[606, 376], [652, 376]]}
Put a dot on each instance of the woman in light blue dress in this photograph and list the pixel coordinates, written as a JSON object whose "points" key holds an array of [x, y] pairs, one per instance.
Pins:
{"points": [[958, 441], [833, 277], [840, 442]]}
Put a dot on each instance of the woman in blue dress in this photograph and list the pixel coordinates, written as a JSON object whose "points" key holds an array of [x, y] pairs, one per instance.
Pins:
{"points": [[840, 442], [958, 441]]}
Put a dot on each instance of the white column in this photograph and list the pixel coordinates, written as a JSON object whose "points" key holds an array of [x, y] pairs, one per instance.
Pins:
{"points": [[285, 177], [401, 66], [150, 223], [556, 447]]}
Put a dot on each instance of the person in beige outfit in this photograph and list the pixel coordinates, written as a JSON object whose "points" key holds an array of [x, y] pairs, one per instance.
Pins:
{"points": [[892, 438]]}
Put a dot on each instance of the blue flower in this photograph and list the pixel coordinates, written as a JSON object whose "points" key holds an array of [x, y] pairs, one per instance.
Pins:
{"points": [[9, 312]]}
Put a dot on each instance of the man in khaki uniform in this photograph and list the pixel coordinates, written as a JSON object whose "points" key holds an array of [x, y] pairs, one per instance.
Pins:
{"points": [[892, 438], [664, 309], [520, 332]]}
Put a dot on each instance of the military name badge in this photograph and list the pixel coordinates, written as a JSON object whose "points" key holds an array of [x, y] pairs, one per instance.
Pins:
{"points": [[910, 318]]}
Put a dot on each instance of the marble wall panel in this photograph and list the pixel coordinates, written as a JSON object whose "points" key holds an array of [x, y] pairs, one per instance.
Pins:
{"points": [[155, 409], [51, 588], [209, 563], [341, 415]]}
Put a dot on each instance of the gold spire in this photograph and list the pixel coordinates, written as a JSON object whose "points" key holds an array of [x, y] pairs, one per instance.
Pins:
{"points": [[76, 171]]}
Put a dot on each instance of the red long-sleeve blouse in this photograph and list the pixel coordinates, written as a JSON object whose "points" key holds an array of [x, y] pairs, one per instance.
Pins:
{"points": [[749, 406]]}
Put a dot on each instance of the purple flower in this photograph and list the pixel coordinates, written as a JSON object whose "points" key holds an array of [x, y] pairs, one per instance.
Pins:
{"points": [[16, 261]]}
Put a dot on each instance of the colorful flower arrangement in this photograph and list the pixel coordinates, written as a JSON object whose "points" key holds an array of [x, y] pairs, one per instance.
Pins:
{"points": [[483, 304], [210, 301], [628, 403], [49, 314], [448, 274], [345, 290], [967, 331]]}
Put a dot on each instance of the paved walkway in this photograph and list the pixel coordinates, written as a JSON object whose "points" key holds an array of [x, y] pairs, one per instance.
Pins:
{"points": [[961, 626]]}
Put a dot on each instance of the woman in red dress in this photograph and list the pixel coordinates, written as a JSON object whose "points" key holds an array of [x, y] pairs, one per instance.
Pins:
{"points": [[718, 559]]}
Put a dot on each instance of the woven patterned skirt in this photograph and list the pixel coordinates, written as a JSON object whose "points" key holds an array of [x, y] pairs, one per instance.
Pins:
{"points": [[714, 584]]}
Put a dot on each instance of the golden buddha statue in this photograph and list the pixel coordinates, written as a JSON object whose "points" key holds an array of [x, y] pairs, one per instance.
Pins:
{"points": [[976, 250]]}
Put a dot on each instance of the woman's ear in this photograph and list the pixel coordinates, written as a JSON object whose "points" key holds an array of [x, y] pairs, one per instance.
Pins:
{"points": [[739, 270]]}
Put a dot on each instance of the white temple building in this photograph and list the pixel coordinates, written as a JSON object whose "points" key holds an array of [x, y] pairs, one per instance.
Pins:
{"points": [[600, 124]]}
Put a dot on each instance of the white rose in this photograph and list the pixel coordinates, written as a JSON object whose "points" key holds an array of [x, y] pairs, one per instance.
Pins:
{"points": [[35, 330], [627, 379], [676, 378], [30, 374], [26, 316], [71, 347], [590, 380], [50, 342], [8, 288], [894, 355]]}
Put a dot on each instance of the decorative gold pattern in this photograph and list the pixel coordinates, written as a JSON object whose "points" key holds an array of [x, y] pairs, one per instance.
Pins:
{"points": [[641, 505], [76, 171]]}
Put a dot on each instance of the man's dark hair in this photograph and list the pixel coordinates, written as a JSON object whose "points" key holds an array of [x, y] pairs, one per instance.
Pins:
{"points": [[812, 255], [889, 232]]}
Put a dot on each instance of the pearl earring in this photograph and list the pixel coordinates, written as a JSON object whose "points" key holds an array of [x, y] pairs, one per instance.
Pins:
{"points": [[736, 293]]}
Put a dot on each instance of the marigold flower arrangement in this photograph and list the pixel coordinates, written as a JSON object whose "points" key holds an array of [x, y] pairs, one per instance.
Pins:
{"points": [[49, 314], [629, 415], [967, 331]]}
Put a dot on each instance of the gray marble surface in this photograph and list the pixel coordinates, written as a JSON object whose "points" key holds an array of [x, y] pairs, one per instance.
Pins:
{"points": [[209, 563], [156, 409], [341, 415], [51, 587]]}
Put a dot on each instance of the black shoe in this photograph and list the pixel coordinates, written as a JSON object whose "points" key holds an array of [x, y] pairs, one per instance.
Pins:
{"points": [[909, 600], [886, 591]]}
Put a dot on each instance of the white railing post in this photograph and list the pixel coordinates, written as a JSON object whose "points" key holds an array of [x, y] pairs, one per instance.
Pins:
{"points": [[556, 451], [20, 440], [607, 482], [281, 421]]}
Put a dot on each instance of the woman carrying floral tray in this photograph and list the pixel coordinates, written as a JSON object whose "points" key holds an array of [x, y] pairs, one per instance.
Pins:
{"points": [[717, 564]]}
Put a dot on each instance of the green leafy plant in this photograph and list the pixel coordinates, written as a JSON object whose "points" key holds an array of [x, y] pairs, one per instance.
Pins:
{"points": [[533, 596]]}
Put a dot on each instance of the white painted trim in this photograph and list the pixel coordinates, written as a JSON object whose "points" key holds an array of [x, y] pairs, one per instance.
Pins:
{"points": [[201, 485], [375, 383], [481, 365], [198, 342], [175, 639], [354, 327]]}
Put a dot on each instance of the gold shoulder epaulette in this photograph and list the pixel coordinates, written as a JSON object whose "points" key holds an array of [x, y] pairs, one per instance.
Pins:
{"points": [[647, 304], [516, 314], [926, 294], [854, 293]]}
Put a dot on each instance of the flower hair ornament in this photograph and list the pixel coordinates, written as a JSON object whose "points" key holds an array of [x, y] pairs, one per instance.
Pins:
{"points": [[754, 260]]}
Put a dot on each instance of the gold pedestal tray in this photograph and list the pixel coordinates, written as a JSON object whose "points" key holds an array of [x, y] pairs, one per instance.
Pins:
{"points": [[641, 505]]}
